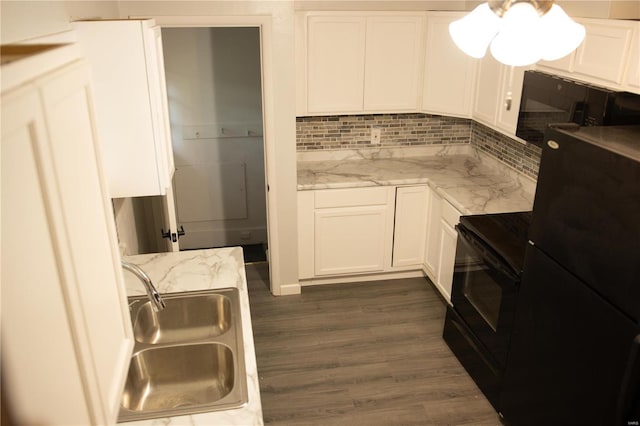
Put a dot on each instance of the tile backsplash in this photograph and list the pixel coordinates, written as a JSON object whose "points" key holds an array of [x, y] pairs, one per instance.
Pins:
{"points": [[523, 158], [354, 132]]}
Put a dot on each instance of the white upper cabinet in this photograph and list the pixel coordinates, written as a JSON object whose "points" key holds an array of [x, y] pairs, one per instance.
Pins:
{"points": [[604, 51], [563, 64], [64, 313], [609, 56], [393, 62], [335, 63], [131, 104], [485, 106], [448, 72], [632, 72], [356, 63], [497, 95]]}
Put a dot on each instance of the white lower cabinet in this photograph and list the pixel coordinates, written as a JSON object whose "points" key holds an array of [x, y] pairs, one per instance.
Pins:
{"points": [[448, 239], [377, 230], [410, 225], [352, 230], [351, 239], [66, 331], [432, 245], [440, 244], [361, 230]]}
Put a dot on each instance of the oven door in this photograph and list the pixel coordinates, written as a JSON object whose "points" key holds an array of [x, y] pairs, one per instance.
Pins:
{"points": [[484, 293]]}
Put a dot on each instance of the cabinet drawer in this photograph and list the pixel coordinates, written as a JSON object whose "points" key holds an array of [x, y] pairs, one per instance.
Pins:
{"points": [[450, 214], [352, 197]]}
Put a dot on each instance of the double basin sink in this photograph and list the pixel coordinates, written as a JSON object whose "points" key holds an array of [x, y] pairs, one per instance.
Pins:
{"points": [[188, 358]]}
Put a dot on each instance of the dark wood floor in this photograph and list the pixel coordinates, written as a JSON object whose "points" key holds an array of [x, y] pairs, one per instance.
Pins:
{"points": [[359, 354]]}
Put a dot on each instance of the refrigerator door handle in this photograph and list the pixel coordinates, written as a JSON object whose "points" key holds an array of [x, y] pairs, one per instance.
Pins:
{"points": [[629, 399]]}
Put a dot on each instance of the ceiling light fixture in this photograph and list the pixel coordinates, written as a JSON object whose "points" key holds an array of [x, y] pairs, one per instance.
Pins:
{"points": [[520, 32]]}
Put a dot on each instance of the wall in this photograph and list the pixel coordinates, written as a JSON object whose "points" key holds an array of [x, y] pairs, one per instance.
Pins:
{"points": [[213, 82]]}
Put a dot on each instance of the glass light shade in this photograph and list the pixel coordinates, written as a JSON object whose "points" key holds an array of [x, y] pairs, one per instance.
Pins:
{"points": [[473, 32], [559, 34], [517, 42]]}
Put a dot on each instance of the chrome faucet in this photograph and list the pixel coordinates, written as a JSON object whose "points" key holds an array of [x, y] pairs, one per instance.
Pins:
{"points": [[152, 293]]}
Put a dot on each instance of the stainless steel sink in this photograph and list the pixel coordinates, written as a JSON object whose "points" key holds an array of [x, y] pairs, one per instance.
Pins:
{"points": [[184, 318], [188, 358]]}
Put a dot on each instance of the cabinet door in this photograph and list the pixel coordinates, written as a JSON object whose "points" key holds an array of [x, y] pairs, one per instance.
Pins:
{"points": [[64, 304], [448, 240], [38, 353], [410, 225], [335, 63], [449, 73], [393, 61], [90, 230], [154, 58], [131, 105], [632, 73], [508, 104], [563, 64], [305, 234], [603, 52], [432, 246], [351, 239], [488, 86]]}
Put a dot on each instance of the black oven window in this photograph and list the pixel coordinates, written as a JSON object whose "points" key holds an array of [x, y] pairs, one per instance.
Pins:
{"points": [[483, 292]]}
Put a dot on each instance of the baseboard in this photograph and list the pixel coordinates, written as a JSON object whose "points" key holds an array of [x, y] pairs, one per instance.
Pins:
{"points": [[289, 289], [364, 277]]}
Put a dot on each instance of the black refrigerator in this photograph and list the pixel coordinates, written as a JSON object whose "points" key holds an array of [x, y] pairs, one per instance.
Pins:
{"points": [[574, 357]]}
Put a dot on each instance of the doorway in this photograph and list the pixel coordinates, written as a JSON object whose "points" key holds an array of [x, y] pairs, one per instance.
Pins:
{"points": [[213, 77]]}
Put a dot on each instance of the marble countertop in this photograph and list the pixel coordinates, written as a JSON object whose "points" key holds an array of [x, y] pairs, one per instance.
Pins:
{"points": [[202, 270], [472, 182]]}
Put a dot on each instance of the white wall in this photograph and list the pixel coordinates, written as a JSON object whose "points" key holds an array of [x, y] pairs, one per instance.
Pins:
{"points": [[213, 81]]}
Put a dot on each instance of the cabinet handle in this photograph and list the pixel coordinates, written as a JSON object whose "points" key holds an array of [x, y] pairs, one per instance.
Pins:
{"points": [[508, 101]]}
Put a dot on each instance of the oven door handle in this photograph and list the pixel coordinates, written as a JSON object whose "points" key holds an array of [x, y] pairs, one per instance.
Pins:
{"points": [[488, 254]]}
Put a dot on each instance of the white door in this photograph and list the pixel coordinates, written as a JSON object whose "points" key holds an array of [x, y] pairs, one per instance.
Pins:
{"points": [[511, 79], [393, 63], [432, 247], [449, 72], [37, 344], [604, 49], [448, 240], [66, 330], [350, 239], [410, 225], [487, 90], [335, 63]]}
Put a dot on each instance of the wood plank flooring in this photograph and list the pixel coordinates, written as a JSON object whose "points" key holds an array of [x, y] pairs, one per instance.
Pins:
{"points": [[359, 354]]}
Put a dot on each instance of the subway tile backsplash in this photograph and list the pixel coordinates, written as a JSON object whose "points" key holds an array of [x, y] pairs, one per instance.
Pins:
{"points": [[415, 129]]}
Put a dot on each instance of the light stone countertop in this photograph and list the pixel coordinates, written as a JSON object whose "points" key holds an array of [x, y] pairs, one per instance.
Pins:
{"points": [[471, 181], [203, 270]]}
